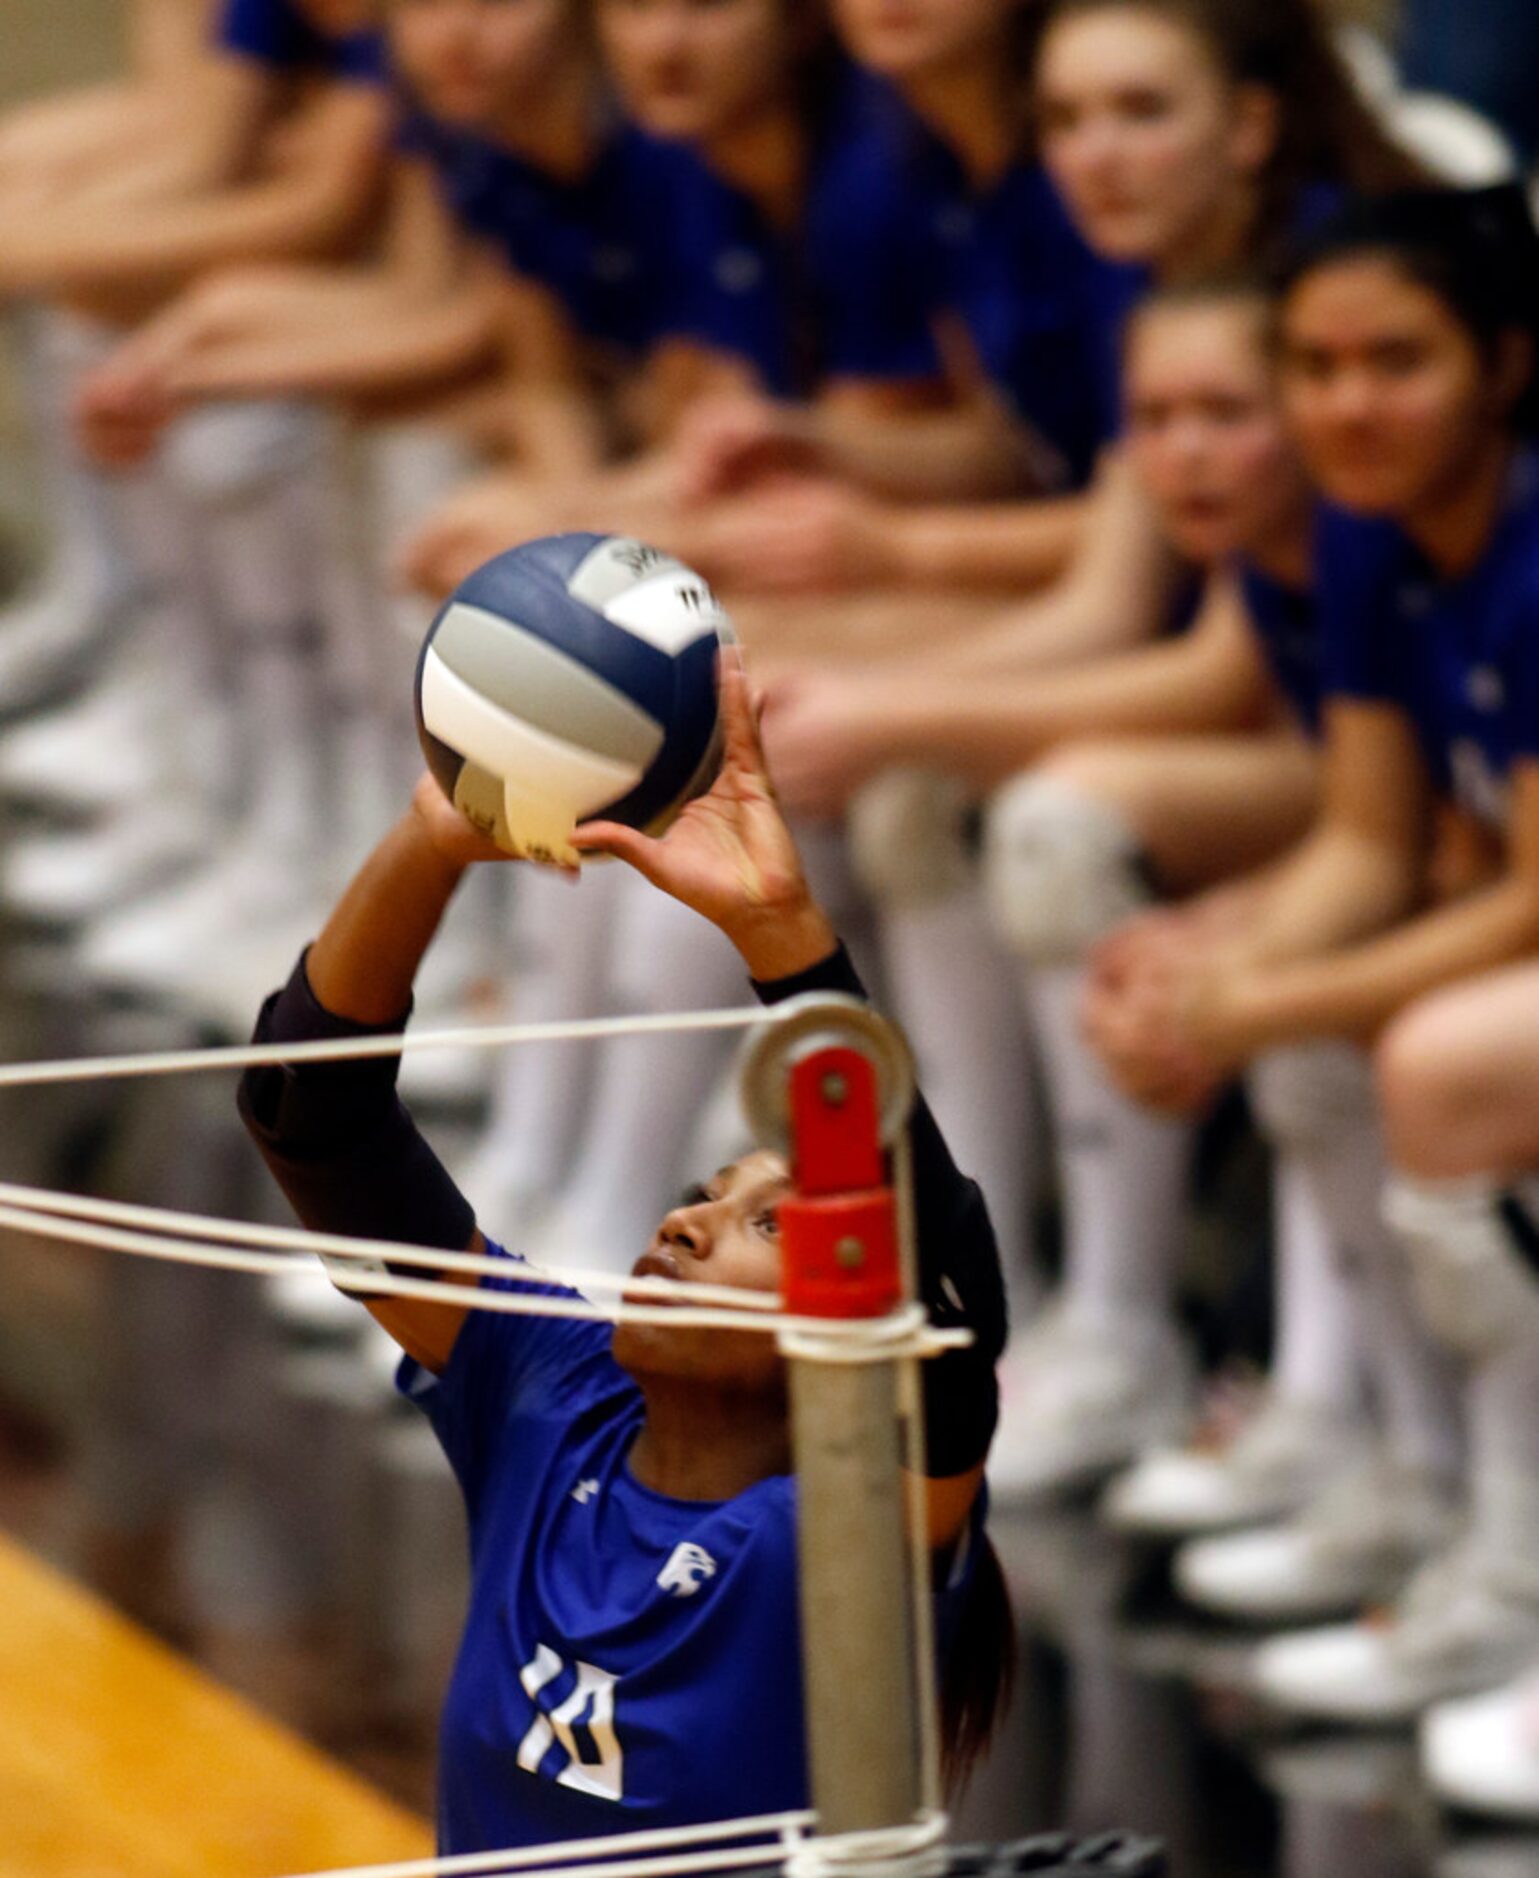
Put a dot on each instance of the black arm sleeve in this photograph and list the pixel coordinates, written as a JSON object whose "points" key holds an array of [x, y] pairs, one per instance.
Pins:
{"points": [[959, 1276], [338, 1139]]}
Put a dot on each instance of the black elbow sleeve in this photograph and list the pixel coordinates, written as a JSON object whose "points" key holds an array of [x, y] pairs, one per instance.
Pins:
{"points": [[339, 1141]]}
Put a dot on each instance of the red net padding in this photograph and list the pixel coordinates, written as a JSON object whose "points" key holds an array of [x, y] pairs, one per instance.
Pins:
{"points": [[840, 1231]]}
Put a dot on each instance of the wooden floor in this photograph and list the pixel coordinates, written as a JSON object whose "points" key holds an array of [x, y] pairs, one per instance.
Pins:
{"points": [[118, 1760]]}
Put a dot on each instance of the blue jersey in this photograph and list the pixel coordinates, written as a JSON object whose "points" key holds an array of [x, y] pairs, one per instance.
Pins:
{"points": [[629, 1660], [837, 295], [1043, 315], [276, 33], [588, 239], [1286, 623], [1459, 657]]}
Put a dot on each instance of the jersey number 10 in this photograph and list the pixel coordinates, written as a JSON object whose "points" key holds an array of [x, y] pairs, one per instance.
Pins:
{"points": [[582, 1726]]}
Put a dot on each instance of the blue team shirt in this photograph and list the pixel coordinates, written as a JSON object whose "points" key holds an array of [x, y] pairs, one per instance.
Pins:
{"points": [[628, 1660], [834, 296], [276, 33], [1286, 623], [588, 238], [1044, 315], [1459, 657]]}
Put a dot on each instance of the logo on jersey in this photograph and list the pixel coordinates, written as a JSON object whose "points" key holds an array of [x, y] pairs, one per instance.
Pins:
{"points": [[584, 1491], [687, 1570]]}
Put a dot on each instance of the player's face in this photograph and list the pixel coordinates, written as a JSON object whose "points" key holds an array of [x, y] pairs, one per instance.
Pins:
{"points": [[693, 70], [724, 1232], [910, 38], [1206, 431], [467, 60], [1389, 396], [1150, 145]]}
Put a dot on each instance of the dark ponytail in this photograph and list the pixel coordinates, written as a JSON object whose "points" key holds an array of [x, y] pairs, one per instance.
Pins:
{"points": [[977, 1669]]}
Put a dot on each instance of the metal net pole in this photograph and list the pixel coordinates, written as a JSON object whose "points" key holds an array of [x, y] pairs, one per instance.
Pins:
{"points": [[844, 1086]]}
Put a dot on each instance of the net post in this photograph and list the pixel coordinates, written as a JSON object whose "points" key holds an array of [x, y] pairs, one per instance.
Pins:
{"points": [[831, 1084]]}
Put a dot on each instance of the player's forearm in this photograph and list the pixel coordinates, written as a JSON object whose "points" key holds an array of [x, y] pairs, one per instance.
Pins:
{"points": [[1336, 890], [554, 429], [166, 241], [364, 964], [958, 1260], [1355, 993], [1012, 547], [990, 727], [341, 357], [922, 456]]}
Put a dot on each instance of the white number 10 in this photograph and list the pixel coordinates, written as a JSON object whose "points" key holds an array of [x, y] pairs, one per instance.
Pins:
{"points": [[593, 1766]]}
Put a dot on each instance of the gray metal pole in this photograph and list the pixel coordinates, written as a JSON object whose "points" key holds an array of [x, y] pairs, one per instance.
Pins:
{"points": [[858, 1650], [863, 1630]]}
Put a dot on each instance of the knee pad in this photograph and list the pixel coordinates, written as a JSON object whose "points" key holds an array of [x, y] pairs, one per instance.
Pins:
{"points": [[1474, 1255], [222, 454], [1060, 870], [1309, 1093], [908, 836]]}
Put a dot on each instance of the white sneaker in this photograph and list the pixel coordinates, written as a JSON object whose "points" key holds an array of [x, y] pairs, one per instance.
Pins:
{"points": [[1490, 1858], [64, 879], [1081, 1398], [1461, 1625], [1358, 1542], [1284, 1458], [1482, 1753], [107, 747], [150, 948], [310, 1309], [49, 639]]}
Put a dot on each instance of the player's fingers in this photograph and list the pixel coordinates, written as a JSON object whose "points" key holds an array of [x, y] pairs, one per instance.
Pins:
{"points": [[740, 724], [622, 844]]}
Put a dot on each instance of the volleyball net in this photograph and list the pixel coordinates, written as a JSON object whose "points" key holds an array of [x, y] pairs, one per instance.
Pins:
{"points": [[829, 1083]]}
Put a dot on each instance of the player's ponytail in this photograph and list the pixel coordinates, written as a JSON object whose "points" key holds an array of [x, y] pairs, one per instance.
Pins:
{"points": [[977, 1668]]}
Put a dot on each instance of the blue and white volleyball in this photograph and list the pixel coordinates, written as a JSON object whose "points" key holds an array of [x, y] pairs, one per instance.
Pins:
{"points": [[571, 679]]}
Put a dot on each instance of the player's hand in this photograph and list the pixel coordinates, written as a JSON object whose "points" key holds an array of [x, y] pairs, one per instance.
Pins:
{"points": [[729, 855], [803, 536], [824, 733], [121, 410], [480, 520], [459, 843], [726, 443], [1136, 1017]]}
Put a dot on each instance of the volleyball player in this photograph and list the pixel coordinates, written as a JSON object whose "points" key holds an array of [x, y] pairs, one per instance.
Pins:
{"points": [[1253, 123], [1456, 1078], [1408, 339], [590, 1458], [1251, 129], [281, 138], [1199, 750]]}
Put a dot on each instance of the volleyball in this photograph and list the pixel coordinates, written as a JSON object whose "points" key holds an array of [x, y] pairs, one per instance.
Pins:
{"points": [[569, 679]]}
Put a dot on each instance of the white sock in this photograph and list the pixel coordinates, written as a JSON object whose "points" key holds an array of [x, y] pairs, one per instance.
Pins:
{"points": [[1503, 1401], [560, 952], [1315, 1356], [255, 478], [86, 555], [649, 1092], [1415, 1386], [955, 995], [1123, 1170]]}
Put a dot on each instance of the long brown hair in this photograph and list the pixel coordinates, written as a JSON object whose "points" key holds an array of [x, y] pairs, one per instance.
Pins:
{"points": [[1326, 132]]}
